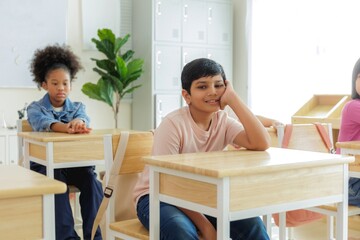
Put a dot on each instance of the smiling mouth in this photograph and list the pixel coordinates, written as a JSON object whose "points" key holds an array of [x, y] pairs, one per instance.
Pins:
{"points": [[212, 101]]}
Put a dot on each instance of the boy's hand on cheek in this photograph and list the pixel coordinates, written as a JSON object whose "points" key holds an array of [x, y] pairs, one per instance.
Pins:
{"points": [[227, 95]]}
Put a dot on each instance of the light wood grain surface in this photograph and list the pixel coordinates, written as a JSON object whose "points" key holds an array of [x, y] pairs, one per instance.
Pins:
{"points": [[21, 182], [244, 162]]}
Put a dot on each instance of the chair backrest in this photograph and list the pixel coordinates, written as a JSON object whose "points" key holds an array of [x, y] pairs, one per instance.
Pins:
{"points": [[306, 137], [22, 125], [303, 137], [121, 206], [139, 145], [274, 136]]}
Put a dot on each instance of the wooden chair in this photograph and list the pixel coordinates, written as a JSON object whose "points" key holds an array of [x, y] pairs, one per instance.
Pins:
{"points": [[303, 137], [24, 126], [139, 144], [306, 137]]}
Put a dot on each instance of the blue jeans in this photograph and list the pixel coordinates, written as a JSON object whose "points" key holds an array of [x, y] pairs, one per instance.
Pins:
{"points": [[91, 194], [354, 191], [175, 225]]}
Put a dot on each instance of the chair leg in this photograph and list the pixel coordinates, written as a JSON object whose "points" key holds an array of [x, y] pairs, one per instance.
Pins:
{"points": [[330, 227], [282, 226], [268, 224], [290, 232], [77, 212]]}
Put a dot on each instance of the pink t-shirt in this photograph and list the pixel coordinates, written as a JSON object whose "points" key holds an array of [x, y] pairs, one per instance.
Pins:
{"points": [[178, 133], [350, 122]]}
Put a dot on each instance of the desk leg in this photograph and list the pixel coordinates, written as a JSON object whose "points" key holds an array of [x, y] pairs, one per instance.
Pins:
{"points": [[154, 205], [49, 217], [26, 155], [342, 209], [223, 219], [50, 159], [282, 226]]}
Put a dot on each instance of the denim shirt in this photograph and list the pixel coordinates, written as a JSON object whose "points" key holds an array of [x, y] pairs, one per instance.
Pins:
{"points": [[41, 114]]}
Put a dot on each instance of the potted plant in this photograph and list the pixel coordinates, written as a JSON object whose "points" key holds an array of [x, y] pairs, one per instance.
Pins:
{"points": [[117, 71]]}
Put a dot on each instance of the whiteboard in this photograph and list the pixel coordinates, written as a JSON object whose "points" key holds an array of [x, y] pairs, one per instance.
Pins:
{"points": [[26, 26]]}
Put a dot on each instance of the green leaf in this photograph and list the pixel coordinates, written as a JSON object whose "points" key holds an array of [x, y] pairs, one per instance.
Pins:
{"points": [[106, 91], [121, 68], [106, 65], [106, 34], [128, 55], [92, 91], [119, 42], [105, 46], [108, 77], [130, 90]]}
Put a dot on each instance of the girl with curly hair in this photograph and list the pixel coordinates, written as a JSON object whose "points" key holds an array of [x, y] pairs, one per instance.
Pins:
{"points": [[54, 68]]}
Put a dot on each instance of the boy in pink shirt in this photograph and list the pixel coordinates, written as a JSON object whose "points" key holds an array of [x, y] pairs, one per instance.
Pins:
{"points": [[203, 127]]}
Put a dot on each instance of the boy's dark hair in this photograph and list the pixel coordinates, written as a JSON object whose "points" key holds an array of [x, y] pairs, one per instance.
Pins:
{"points": [[198, 68], [51, 58], [356, 71]]}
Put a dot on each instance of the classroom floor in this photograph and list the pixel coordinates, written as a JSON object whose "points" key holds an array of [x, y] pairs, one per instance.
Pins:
{"points": [[313, 231], [310, 231]]}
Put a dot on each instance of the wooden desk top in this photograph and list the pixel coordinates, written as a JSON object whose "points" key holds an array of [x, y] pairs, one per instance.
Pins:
{"points": [[17, 181], [349, 144], [245, 162], [64, 137]]}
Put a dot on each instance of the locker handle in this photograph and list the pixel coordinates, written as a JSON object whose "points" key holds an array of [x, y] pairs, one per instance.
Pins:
{"points": [[158, 8], [160, 106], [184, 58], [210, 14], [185, 12], [158, 62]]}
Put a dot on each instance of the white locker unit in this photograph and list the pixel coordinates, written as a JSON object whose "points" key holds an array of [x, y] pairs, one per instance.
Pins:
{"points": [[3, 151], [167, 34], [8, 147]]}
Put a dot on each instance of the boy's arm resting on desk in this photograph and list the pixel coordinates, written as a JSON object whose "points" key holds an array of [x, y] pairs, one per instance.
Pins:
{"points": [[269, 122], [254, 136]]}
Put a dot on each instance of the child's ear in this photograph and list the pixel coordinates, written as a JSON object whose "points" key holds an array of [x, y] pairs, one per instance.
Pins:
{"points": [[44, 85], [186, 96]]}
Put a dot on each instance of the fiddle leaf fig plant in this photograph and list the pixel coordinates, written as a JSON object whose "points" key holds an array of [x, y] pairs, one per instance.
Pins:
{"points": [[117, 71]]}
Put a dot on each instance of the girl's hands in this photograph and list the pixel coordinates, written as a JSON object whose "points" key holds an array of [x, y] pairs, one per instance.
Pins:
{"points": [[77, 126]]}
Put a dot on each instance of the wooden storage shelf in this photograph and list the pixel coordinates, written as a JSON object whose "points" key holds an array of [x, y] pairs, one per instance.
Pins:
{"points": [[323, 109]]}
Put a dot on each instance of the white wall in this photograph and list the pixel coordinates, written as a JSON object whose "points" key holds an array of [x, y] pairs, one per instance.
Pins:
{"points": [[241, 48], [101, 114], [13, 99]]}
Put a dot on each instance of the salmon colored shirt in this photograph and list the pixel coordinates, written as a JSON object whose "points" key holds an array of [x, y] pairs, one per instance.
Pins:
{"points": [[178, 133]]}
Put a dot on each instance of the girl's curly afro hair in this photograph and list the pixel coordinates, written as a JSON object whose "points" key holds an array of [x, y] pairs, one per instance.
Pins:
{"points": [[51, 58]]}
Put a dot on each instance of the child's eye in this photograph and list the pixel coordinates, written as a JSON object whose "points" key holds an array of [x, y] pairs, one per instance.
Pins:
{"points": [[201, 87], [219, 85]]}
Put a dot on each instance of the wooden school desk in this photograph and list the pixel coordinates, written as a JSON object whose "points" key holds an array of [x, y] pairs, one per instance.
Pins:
{"points": [[233, 185], [25, 198], [62, 150]]}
